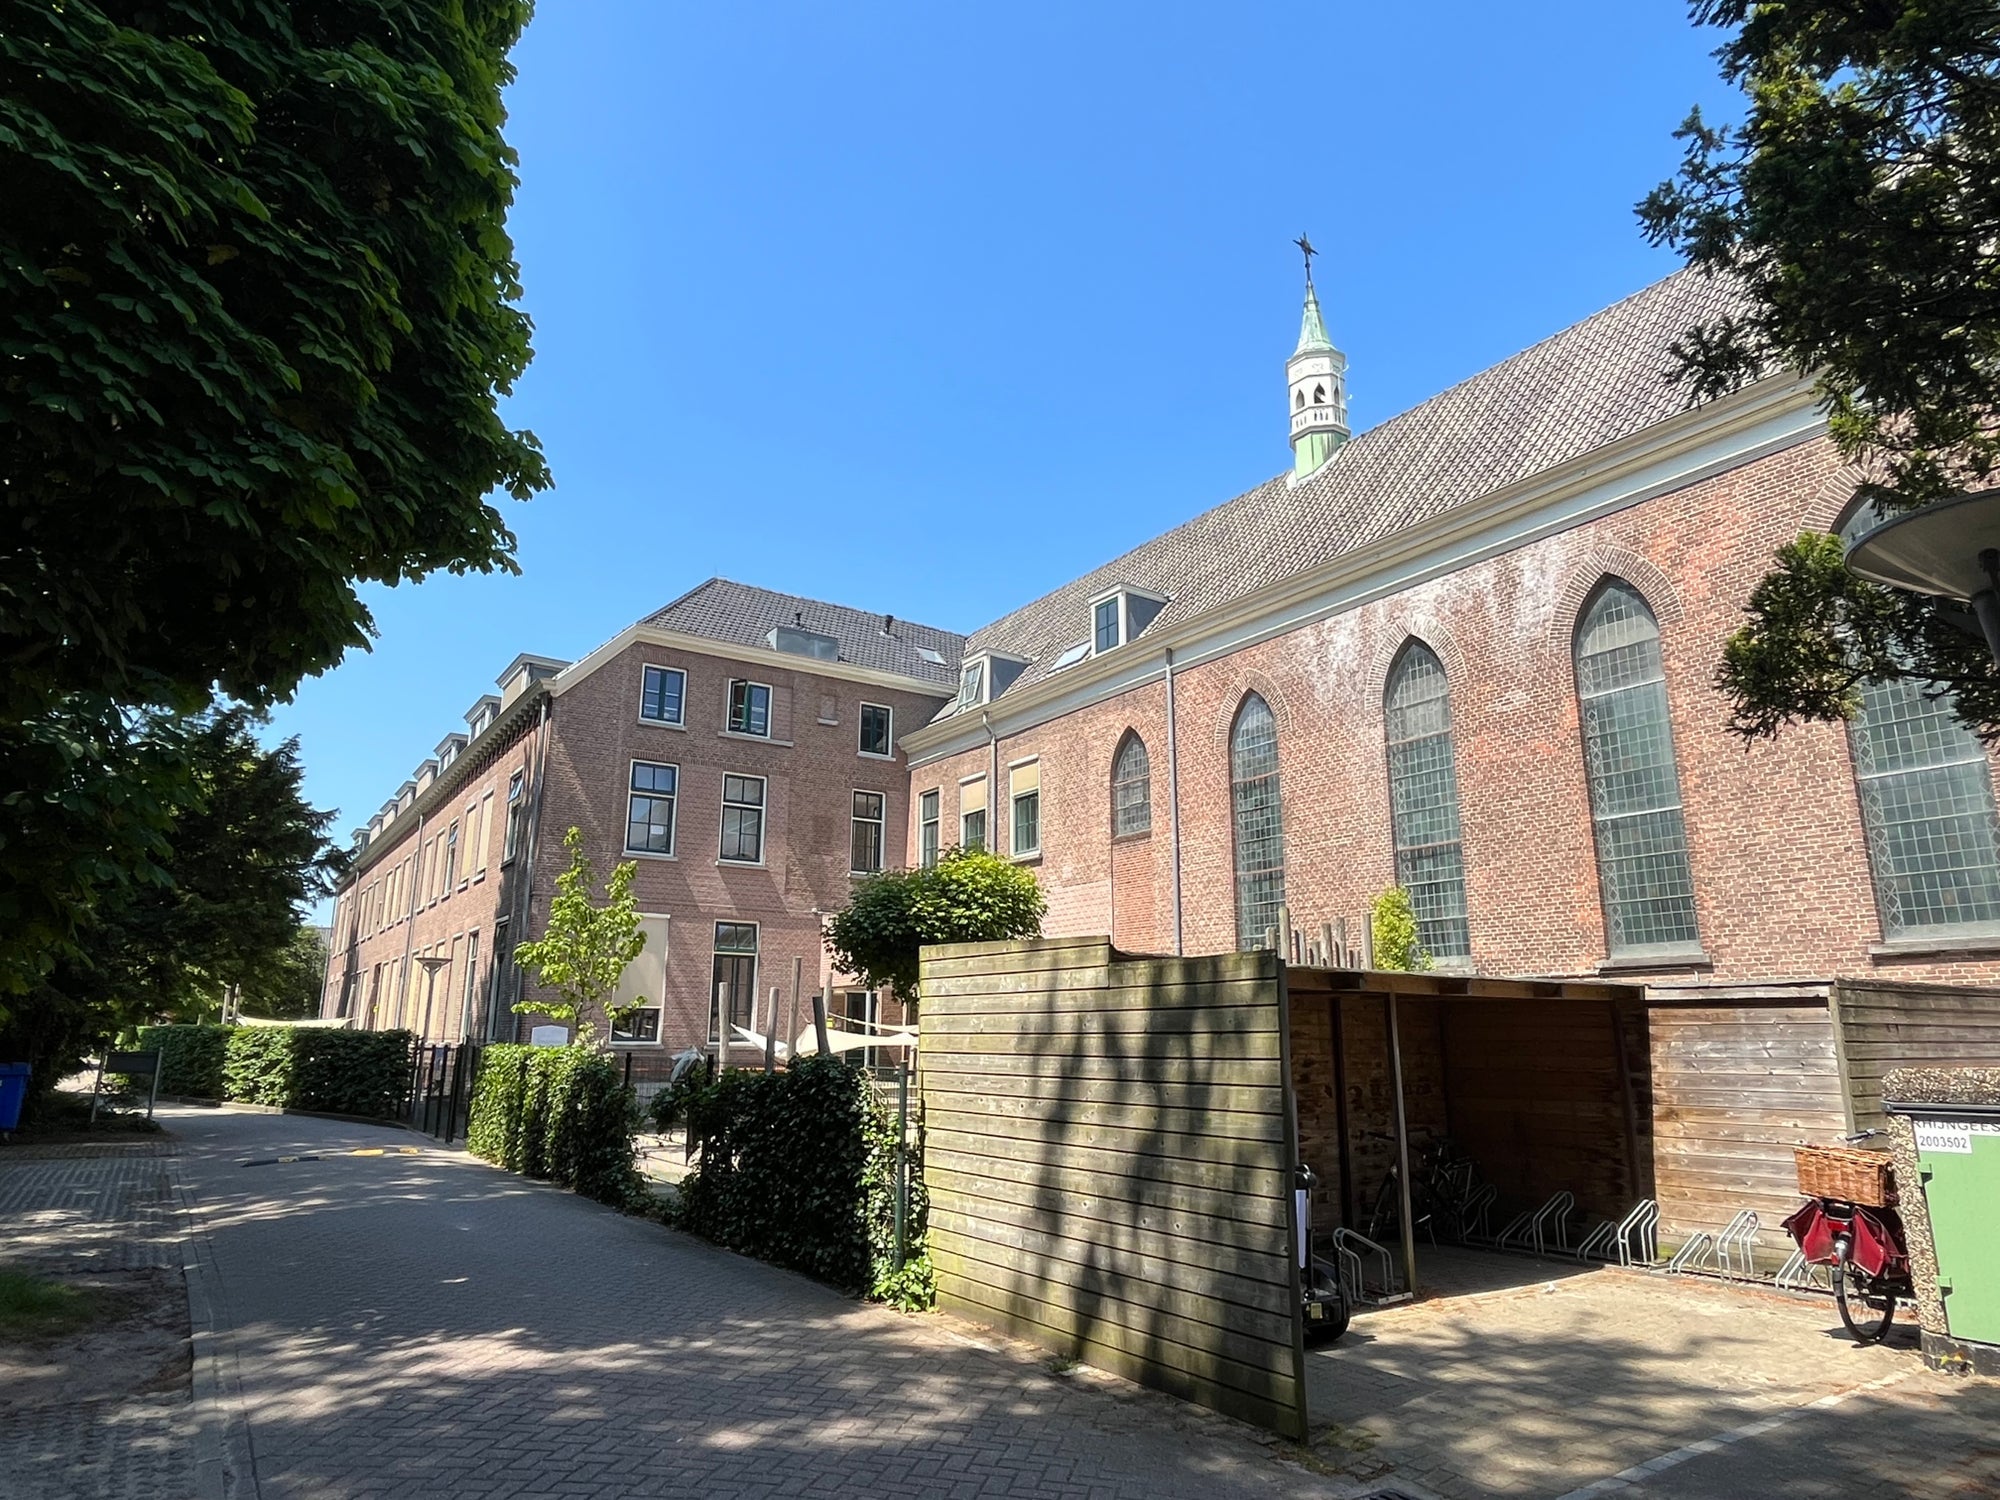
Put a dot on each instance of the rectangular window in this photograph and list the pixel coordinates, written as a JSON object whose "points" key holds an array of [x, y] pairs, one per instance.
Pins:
{"points": [[878, 730], [927, 828], [735, 974], [661, 695], [750, 709], [858, 1011], [972, 814], [972, 684], [517, 787], [638, 1001], [474, 855], [451, 858], [1104, 622], [649, 808], [471, 986], [866, 842], [743, 819], [483, 839], [1024, 795]]}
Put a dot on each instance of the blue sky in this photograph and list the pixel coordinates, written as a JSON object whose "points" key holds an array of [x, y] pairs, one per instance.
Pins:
{"points": [[928, 308]]}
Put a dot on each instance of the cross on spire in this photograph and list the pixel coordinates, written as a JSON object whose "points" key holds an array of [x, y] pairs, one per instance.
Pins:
{"points": [[1306, 246]]}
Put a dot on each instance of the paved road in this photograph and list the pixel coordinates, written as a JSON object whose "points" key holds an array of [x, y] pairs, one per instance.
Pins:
{"points": [[423, 1325]]}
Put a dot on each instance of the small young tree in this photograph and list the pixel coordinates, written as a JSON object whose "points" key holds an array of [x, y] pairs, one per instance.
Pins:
{"points": [[584, 951], [1393, 922], [968, 896]]}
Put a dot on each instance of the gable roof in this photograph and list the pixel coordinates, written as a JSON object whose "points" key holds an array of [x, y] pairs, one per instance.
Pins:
{"points": [[1593, 383], [741, 615]]}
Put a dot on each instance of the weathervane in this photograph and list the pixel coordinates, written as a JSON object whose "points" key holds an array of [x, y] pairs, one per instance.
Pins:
{"points": [[1306, 245]]}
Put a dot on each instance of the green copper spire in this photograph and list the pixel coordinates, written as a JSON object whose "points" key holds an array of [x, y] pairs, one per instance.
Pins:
{"points": [[1316, 385], [1312, 327]]}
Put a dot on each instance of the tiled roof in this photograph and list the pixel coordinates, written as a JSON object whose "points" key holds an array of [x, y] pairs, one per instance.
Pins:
{"points": [[1591, 384], [741, 615]]}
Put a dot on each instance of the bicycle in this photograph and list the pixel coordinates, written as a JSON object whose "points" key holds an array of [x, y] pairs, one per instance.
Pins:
{"points": [[1440, 1185], [1849, 1224]]}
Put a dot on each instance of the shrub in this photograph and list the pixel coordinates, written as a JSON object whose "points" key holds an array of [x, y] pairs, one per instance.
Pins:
{"points": [[339, 1072], [1393, 925], [190, 1058], [669, 1106], [558, 1113], [798, 1168]]}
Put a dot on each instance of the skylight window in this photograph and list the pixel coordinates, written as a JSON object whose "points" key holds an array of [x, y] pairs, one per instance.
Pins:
{"points": [[926, 654], [1071, 656]]}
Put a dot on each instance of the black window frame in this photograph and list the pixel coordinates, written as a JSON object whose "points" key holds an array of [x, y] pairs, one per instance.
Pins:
{"points": [[647, 695], [739, 804]]}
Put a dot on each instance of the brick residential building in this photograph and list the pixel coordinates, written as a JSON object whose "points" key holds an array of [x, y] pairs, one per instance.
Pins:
{"points": [[1472, 651], [743, 747]]}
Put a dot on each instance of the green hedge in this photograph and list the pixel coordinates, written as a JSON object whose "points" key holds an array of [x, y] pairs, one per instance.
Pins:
{"points": [[798, 1168], [558, 1113], [190, 1058], [338, 1072]]}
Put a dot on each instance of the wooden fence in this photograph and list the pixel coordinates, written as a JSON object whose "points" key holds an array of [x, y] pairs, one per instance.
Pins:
{"points": [[1109, 1155], [1881, 1024]]}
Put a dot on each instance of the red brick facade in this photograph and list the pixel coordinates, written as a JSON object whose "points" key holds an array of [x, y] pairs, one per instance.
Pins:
{"points": [[1782, 882]]}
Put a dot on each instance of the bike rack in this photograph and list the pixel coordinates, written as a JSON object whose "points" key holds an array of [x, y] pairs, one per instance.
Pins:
{"points": [[1738, 1240], [1697, 1253], [1354, 1251], [1798, 1274], [1552, 1215], [1638, 1234], [1475, 1215]]}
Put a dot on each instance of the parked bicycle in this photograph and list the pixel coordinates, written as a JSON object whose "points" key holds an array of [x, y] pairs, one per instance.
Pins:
{"points": [[1850, 1225], [1441, 1182]]}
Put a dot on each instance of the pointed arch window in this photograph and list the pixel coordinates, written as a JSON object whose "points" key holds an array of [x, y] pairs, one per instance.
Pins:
{"points": [[1423, 801], [1927, 804], [1259, 821], [1131, 789], [1635, 793]]}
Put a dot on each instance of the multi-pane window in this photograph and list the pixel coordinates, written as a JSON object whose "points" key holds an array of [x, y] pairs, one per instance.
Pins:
{"points": [[878, 729], [1024, 804], [859, 1011], [1927, 803], [1104, 624], [1635, 794], [971, 683], [743, 819], [471, 986], [749, 708], [516, 795], [735, 974], [649, 809], [927, 828], [1259, 822], [662, 694], [1423, 801], [451, 858], [1131, 789], [972, 814], [865, 845]]}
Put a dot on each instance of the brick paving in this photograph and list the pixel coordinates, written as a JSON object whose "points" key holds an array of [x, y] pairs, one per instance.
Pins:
{"points": [[425, 1325]]}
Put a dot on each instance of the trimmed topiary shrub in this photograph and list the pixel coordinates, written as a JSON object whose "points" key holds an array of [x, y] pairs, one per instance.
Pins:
{"points": [[190, 1058], [558, 1113]]}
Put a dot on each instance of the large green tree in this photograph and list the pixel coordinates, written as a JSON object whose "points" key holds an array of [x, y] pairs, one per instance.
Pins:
{"points": [[257, 307], [968, 896], [1858, 207]]}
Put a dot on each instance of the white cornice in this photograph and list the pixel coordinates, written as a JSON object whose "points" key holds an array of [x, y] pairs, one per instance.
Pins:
{"points": [[643, 634], [1724, 434]]}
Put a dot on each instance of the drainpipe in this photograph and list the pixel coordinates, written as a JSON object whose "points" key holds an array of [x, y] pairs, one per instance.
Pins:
{"points": [[992, 783], [1174, 802]]}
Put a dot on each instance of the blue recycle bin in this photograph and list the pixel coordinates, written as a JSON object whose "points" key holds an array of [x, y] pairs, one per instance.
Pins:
{"points": [[13, 1093]]}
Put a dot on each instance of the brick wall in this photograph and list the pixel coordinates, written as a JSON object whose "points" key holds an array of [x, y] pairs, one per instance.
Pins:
{"points": [[1782, 884]]}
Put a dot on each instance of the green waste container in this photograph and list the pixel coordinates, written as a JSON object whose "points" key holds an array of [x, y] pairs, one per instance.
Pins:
{"points": [[1958, 1160]]}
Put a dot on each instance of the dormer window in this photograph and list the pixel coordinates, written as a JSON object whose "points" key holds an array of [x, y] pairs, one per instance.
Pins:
{"points": [[986, 676], [972, 684], [1118, 617]]}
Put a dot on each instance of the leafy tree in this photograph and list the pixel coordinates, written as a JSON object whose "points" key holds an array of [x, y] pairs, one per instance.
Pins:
{"points": [[1392, 922], [585, 950], [257, 307], [1858, 207], [968, 896], [291, 987]]}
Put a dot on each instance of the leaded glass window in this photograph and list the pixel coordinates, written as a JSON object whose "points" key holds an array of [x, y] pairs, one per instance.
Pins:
{"points": [[1927, 803], [1259, 822], [1423, 801], [1635, 795], [1131, 789]]}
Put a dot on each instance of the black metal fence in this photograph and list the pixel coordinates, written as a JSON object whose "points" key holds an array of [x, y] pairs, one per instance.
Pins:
{"points": [[439, 1095]]}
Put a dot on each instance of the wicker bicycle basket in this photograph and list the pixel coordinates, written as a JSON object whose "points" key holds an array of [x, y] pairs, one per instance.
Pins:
{"points": [[1865, 1177]]}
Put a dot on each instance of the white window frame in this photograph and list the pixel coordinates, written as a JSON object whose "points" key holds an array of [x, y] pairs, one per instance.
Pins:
{"points": [[679, 722], [861, 728], [673, 848], [926, 858], [659, 1004], [880, 822], [1120, 599], [762, 808], [973, 677], [1014, 798], [985, 813], [729, 708], [517, 802]]}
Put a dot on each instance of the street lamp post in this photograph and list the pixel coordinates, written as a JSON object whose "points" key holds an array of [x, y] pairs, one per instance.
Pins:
{"points": [[1948, 550], [432, 963]]}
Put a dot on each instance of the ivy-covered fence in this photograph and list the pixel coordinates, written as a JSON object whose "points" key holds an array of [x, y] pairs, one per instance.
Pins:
{"points": [[562, 1114], [334, 1072], [799, 1168]]}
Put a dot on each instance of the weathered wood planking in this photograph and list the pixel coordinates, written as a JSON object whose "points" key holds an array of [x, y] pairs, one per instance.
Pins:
{"points": [[1884, 1025], [1109, 1151], [1734, 1088]]}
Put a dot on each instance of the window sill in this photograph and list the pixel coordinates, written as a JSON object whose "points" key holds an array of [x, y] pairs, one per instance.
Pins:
{"points": [[1644, 963], [755, 739], [1935, 947], [862, 874], [1030, 857], [739, 864], [621, 1042], [662, 724], [649, 854], [889, 756], [1132, 838]]}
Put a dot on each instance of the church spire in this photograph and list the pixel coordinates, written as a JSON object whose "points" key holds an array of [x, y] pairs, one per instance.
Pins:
{"points": [[1316, 381]]}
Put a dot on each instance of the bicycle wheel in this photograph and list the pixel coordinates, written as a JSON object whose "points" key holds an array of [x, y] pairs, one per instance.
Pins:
{"points": [[1865, 1308]]}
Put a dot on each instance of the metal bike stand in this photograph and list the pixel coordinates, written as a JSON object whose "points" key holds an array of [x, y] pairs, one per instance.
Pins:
{"points": [[1638, 1235], [1798, 1274], [1736, 1246], [1697, 1254], [1355, 1253]]}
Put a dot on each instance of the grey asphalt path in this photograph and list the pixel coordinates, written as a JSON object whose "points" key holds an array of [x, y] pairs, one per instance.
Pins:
{"points": [[424, 1325]]}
